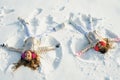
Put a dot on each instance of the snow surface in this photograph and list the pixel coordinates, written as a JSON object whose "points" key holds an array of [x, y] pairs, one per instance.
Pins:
{"points": [[60, 64]]}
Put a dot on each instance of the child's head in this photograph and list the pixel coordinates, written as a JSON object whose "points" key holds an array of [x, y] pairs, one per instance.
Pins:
{"points": [[28, 55], [103, 50], [103, 46], [30, 62]]}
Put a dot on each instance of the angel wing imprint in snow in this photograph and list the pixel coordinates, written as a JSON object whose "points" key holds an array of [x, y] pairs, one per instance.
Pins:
{"points": [[84, 24]]}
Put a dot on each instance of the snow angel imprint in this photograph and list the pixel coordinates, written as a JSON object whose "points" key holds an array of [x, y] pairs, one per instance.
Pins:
{"points": [[30, 51], [96, 41]]}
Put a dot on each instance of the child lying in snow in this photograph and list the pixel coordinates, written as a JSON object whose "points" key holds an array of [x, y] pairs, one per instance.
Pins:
{"points": [[97, 42], [30, 52]]}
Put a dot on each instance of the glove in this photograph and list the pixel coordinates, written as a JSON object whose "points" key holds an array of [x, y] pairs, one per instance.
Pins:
{"points": [[79, 53], [3, 45], [57, 46], [13, 68], [117, 39]]}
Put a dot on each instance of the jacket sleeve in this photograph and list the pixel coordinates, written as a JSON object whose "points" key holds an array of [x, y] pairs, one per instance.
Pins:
{"points": [[13, 49], [114, 40], [45, 49], [86, 49], [97, 35]]}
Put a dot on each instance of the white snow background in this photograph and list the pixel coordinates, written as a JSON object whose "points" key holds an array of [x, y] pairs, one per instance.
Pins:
{"points": [[60, 64]]}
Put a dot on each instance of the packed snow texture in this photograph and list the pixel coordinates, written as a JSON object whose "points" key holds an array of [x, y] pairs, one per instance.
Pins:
{"points": [[60, 64]]}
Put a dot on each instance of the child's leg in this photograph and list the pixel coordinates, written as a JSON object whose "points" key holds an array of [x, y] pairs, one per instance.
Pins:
{"points": [[89, 38], [97, 36], [27, 31]]}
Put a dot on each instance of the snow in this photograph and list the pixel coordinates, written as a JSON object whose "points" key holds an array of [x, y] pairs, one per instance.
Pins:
{"points": [[60, 64]]}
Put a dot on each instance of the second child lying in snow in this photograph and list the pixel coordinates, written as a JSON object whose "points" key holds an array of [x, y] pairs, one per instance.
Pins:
{"points": [[96, 42]]}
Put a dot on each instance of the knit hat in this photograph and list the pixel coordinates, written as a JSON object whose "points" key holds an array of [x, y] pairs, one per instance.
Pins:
{"points": [[96, 48], [34, 55]]}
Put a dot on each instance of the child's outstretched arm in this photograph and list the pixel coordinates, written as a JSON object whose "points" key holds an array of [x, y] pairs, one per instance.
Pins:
{"points": [[46, 49], [111, 40], [114, 40], [11, 48], [83, 50]]}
